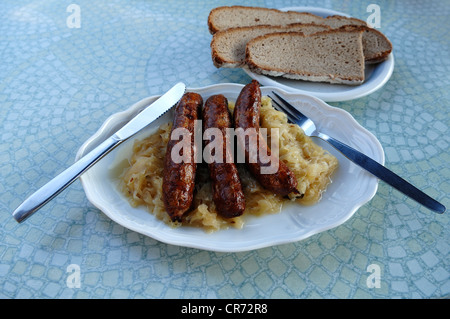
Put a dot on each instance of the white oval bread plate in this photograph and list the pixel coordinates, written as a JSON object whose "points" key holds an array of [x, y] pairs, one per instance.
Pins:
{"points": [[351, 187], [376, 75]]}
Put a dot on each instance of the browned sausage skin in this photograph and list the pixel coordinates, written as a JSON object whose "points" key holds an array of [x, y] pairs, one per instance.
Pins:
{"points": [[179, 178], [247, 116], [228, 196]]}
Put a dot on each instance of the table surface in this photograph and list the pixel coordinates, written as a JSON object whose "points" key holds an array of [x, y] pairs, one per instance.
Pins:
{"points": [[59, 83]]}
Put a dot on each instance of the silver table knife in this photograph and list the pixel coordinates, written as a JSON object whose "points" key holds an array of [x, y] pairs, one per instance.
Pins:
{"points": [[67, 177]]}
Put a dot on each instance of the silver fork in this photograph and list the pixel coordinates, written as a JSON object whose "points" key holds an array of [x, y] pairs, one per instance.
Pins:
{"points": [[373, 167]]}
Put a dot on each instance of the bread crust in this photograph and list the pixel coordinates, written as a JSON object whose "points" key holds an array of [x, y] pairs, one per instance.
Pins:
{"points": [[355, 21]]}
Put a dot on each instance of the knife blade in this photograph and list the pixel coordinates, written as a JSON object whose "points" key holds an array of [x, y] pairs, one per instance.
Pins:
{"points": [[55, 186]]}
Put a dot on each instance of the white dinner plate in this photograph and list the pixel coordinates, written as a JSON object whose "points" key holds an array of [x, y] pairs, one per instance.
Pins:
{"points": [[376, 75], [351, 186]]}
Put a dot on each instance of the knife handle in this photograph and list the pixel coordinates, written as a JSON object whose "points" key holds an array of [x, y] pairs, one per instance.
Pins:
{"points": [[63, 180], [384, 174]]}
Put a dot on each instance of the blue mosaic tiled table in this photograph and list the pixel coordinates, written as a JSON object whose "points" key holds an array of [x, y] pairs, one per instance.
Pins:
{"points": [[58, 85]]}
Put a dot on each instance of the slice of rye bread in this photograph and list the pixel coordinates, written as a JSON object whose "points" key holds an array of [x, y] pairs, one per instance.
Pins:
{"points": [[226, 17], [334, 56], [228, 46], [377, 46]]}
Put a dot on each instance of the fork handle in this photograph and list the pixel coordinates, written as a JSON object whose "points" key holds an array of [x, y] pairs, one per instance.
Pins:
{"points": [[384, 174]]}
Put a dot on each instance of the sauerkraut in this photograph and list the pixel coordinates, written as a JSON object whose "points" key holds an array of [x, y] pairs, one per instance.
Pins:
{"points": [[313, 167]]}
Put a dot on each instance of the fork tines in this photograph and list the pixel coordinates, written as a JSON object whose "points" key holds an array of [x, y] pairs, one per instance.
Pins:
{"points": [[292, 113], [285, 111]]}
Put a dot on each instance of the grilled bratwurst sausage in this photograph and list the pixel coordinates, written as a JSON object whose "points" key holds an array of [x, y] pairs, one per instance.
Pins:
{"points": [[179, 177], [226, 185], [247, 116]]}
